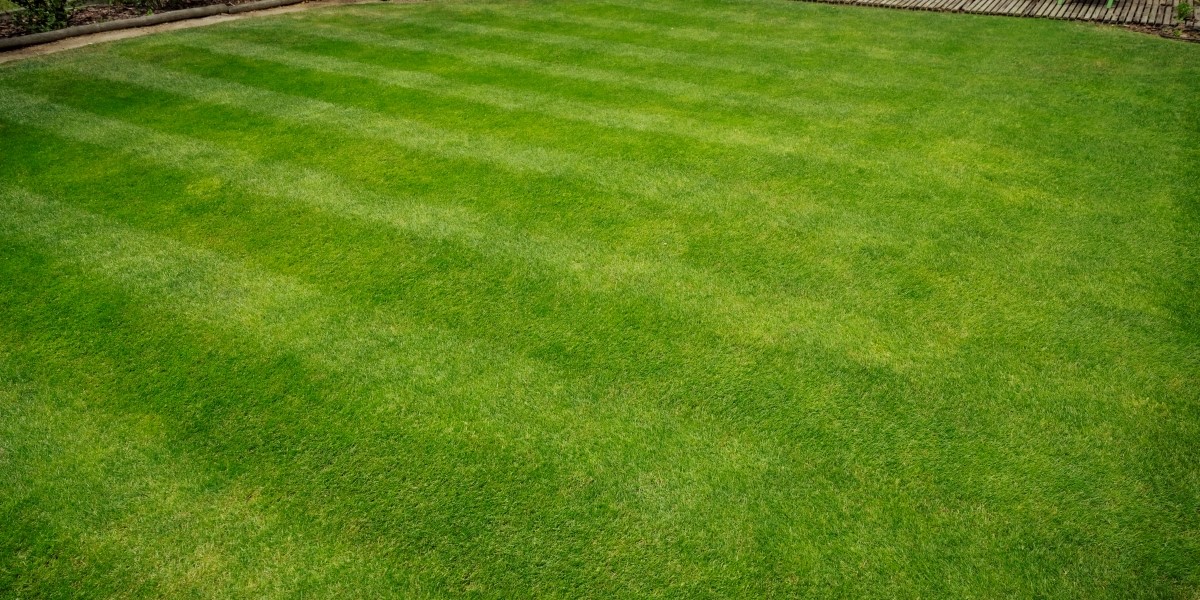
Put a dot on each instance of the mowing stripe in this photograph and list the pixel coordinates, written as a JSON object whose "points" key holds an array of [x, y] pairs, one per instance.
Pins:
{"points": [[402, 374], [692, 291], [383, 348], [736, 14], [671, 87], [198, 281], [693, 34], [647, 54], [688, 190], [277, 180], [489, 95], [630, 178]]}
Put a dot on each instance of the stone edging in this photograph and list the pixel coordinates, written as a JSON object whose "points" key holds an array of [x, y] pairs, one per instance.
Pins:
{"points": [[165, 17]]}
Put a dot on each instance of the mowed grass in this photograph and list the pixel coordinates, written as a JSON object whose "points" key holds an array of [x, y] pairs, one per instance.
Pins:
{"points": [[683, 298]]}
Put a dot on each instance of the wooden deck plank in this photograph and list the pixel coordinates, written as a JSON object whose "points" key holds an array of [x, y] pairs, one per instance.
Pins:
{"points": [[999, 6], [1128, 16], [988, 6], [1022, 8], [1127, 12], [1047, 7], [1144, 12], [1114, 15], [1160, 13], [991, 9], [1110, 13], [977, 6]]}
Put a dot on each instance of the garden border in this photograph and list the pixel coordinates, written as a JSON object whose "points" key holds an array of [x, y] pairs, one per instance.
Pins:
{"points": [[25, 46]]}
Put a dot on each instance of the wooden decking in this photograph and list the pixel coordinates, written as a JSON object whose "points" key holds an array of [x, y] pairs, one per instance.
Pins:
{"points": [[1133, 12]]}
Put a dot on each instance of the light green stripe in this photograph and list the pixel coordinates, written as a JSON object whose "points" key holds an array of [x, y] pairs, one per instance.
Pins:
{"points": [[494, 96], [672, 87], [277, 180], [403, 373], [714, 299], [676, 88], [391, 352], [691, 190], [746, 13], [610, 47], [656, 185], [802, 44]]}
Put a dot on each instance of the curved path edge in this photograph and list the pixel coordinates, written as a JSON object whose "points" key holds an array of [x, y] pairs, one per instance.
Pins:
{"points": [[37, 44]]}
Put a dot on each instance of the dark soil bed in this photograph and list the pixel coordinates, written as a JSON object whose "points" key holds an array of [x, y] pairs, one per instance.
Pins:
{"points": [[10, 25], [1174, 32]]}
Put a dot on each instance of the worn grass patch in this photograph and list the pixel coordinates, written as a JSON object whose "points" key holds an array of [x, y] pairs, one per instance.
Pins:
{"points": [[602, 299]]}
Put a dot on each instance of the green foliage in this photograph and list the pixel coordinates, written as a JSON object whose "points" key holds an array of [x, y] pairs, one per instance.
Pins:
{"points": [[602, 299], [43, 15], [1183, 10]]}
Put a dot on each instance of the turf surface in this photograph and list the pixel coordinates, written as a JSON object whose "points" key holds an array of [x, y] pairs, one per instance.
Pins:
{"points": [[602, 299]]}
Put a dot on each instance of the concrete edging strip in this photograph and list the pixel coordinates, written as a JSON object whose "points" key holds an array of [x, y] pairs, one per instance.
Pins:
{"points": [[146, 21]]}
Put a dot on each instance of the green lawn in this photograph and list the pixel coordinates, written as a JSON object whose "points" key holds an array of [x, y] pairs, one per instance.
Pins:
{"points": [[683, 298]]}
